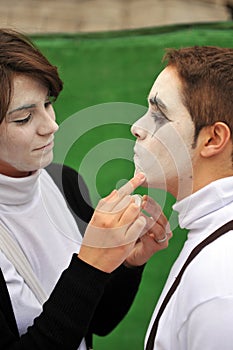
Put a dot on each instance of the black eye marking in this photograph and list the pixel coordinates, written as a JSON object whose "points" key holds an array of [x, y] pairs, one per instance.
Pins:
{"points": [[158, 112], [159, 120]]}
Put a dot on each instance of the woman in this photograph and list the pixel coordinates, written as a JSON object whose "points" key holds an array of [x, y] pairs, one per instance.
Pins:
{"points": [[81, 280]]}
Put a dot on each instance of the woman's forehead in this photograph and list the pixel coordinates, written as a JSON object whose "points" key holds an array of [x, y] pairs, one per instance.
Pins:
{"points": [[26, 90]]}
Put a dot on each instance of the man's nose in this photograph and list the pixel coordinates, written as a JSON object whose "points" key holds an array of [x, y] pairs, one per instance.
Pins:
{"points": [[138, 131]]}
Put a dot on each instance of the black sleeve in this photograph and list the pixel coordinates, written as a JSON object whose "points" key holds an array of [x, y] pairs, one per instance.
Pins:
{"points": [[67, 314], [117, 299], [75, 192], [123, 285]]}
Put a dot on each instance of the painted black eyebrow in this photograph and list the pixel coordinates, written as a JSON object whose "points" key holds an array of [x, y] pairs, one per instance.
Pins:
{"points": [[157, 102], [21, 108]]}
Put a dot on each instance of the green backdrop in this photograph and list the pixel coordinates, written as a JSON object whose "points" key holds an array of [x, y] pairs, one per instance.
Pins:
{"points": [[107, 78]]}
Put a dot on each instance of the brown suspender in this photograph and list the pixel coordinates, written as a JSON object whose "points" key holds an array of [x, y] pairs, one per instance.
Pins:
{"points": [[219, 232]]}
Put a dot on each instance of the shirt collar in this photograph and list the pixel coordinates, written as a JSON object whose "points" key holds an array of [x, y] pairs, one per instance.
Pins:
{"points": [[207, 200], [16, 191]]}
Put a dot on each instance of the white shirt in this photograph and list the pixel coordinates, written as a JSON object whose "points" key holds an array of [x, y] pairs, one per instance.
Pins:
{"points": [[199, 316], [34, 211]]}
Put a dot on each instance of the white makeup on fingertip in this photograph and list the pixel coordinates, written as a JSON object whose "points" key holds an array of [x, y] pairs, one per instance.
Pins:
{"points": [[137, 199]]}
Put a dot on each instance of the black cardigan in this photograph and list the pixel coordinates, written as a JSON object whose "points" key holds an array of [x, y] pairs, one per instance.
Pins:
{"points": [[84, 301]]}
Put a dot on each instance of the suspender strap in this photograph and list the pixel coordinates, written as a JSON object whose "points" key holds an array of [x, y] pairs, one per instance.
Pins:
{"points": [[219, 232], [14, 253]]}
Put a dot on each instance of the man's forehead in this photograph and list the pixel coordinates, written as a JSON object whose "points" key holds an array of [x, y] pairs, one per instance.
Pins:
{"points": [[166, 88]]}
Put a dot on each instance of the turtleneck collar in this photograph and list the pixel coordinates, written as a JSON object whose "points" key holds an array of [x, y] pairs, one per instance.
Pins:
{"points": [[207, 200], [18, 191]]}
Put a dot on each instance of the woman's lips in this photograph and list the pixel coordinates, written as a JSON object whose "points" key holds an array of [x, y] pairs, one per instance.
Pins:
{"points": [[45, 147]]}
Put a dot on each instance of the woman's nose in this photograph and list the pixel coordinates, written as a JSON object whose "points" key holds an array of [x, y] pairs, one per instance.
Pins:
{"points": [[48, 127], [53, 127], [48, 124]]}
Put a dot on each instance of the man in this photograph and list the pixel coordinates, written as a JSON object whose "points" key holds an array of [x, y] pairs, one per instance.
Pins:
{"points": [[184, 145]]}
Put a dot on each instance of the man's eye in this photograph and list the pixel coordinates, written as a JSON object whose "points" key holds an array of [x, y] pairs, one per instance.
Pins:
{"points": [[157, 116], [23, 121], [160, 120]]}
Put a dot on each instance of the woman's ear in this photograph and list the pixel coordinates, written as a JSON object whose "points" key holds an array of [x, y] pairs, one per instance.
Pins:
{"points": [[216, 137]]}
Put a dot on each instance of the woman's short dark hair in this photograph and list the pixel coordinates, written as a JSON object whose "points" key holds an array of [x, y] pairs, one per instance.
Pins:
{"points": [[18, 55]]}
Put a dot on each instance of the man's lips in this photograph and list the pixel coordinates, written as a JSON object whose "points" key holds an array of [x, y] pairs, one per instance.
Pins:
{"points": [[136, 154], [135, 151], [136, 160]]}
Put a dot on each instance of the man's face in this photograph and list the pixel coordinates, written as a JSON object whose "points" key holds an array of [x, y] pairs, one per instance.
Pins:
{"points": [[163, 149]]}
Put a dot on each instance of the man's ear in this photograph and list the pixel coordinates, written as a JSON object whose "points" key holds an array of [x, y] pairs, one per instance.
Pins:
{"points": [[216, 138]]}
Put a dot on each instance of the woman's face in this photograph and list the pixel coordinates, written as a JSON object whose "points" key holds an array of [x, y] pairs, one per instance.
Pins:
{"points": [[27, 131], [163, 150]]}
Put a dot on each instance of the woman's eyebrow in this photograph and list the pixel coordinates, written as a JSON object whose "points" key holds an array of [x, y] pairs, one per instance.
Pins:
{"points": [[21, 108]]}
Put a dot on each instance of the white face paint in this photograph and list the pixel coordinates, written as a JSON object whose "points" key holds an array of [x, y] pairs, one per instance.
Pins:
{"points": [[163, 150], [27, 132]]}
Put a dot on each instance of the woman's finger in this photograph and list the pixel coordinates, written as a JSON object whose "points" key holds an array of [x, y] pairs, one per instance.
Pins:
{"points": [[129, 215], [131, 185], [126, 211], [108, 203], [154, 209], [160, 234], [135, 230]]}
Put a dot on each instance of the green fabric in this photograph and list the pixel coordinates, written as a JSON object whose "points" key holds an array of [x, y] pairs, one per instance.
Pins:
{"points": [[100, 69]]}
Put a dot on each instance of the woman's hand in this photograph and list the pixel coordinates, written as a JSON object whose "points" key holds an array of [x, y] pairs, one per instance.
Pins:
{"points": [[155, 235], [114, 228]]}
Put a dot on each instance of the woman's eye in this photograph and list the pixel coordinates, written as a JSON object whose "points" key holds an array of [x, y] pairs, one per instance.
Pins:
{"points": [[49, 101], [24, 120], [47, 104]]}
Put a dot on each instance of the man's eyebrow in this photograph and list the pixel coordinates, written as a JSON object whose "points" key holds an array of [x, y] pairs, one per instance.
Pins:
{"points": [[21, 108], [158, 102]]}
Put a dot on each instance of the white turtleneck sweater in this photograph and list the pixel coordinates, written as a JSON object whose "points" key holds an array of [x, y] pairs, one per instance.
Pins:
{"points": [[34, 211], [199, 316]]}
